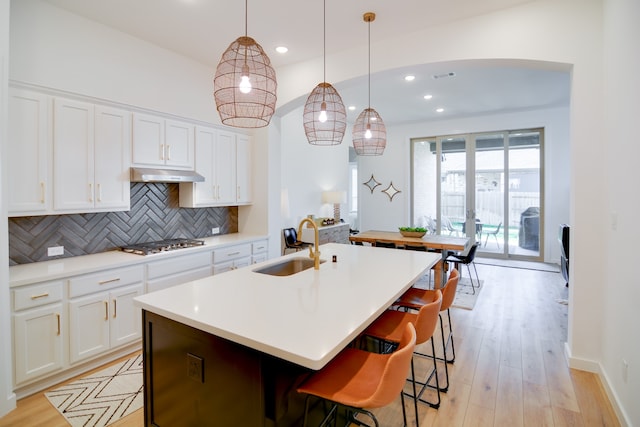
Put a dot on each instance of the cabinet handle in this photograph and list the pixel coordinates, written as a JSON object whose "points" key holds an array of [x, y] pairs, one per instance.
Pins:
{"points": [[42, 192], [217, 192], [234, 254], [104, 282], [115, 308], [99, 188], [168, 152], [161, 151], [90, 192], [106, 310], [238, 193], [58, 319], [46, 294]]}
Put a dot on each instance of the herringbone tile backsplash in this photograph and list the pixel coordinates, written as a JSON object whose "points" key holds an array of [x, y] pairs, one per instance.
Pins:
{"points": [[154, 215]]}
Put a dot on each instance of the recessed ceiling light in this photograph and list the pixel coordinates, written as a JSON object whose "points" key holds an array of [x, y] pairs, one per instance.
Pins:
{"points": [[439, 110], [282, 49], [352, 107], [409, 78], [428, 96]]}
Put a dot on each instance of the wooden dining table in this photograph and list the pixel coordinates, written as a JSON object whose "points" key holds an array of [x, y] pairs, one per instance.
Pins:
{"points": [[436, 242]]}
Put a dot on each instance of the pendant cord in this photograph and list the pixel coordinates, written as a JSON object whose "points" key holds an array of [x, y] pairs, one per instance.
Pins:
{"points": [[369, 77], [245, 17], [324, 41]]}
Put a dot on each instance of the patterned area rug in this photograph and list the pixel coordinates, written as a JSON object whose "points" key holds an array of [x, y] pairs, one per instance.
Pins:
{"points": [[465, 297], [101, 398]]}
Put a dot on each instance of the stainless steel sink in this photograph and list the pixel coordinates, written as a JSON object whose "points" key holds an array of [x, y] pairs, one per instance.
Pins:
{"points": [[288, 267]]}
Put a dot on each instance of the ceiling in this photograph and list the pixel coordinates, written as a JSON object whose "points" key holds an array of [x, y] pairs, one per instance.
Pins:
{"points": [[203, 29]]}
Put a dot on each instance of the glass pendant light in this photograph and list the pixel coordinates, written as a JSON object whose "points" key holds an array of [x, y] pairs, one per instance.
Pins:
{"points": [[245, 84], [324, 117], [369, 133]]}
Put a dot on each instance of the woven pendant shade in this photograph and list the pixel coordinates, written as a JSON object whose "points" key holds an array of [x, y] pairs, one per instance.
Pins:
{"points": [[369, 133], [245, 57], [376, 143], [324, 97]]}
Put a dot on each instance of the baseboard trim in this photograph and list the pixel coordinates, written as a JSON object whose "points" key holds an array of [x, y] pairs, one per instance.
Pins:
{"points": [[596, 368]]}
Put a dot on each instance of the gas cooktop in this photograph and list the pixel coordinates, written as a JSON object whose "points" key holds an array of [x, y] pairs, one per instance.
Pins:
{"points": [[149, 248]]}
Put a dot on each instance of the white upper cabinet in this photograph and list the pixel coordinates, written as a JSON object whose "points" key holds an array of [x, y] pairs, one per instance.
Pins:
{"points": [[112, 158], [224, 159], [90, 157], [29, 143], [243, 170], [159, 142]]}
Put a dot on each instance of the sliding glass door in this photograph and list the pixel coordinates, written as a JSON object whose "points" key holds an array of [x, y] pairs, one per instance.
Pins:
{"points": [[487, 187]]}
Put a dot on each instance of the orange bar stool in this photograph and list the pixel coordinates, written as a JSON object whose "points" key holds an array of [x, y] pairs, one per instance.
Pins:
{"points": [[357, 379], [388, 328], [415, 298]]}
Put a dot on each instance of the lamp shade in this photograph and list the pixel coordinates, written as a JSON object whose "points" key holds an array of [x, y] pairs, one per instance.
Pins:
{"points": [[370, 143], [334, 197], [245, 106], [330, 130]]}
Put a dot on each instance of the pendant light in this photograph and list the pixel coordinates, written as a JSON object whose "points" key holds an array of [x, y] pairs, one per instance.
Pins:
{"points": [[244, 86], [369, 133], [324, 117]]}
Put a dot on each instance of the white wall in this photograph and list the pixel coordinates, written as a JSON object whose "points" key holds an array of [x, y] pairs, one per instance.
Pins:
{"points": [[378, 213], [7, 397], [307, 170], [621, 337]]}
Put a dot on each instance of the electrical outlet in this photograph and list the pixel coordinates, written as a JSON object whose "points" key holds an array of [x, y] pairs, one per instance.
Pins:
{"points": [[55, 250], [195, 367], [215, 230]]}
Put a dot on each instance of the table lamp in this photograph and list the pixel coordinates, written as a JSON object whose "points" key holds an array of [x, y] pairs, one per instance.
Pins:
{"points": [[336, 198]]}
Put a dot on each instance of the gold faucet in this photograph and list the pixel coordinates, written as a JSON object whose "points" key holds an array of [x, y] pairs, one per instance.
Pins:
{"points": [[315, 255]]}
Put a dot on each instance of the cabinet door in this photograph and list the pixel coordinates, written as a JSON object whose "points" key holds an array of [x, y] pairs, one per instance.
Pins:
{"points": [[73, 188], [243, 169], [38, 342], [202, 193], [29, 137], [225, 167], [88, 326], [112, 159], [148, 140], [179, 145], [126, 319]]}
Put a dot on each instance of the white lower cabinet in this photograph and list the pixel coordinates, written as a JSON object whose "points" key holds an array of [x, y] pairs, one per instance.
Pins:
{"points": [[38, 326], [106, 319], [171, 272], [259, 251], [231, 258]]}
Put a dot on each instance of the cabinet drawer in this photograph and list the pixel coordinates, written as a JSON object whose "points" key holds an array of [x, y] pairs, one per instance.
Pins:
{"points": [[178, 264], [105, 280], [231, 252], [37, 295], [259, 247]]}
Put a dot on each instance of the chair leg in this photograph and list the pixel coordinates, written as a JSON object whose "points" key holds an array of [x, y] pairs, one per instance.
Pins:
{"points": [[476, 270], [471, 279], [449, 339], [424, 385]]}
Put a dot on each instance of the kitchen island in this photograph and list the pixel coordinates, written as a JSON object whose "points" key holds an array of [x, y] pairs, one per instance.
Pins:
{"points": [[230, 349]]}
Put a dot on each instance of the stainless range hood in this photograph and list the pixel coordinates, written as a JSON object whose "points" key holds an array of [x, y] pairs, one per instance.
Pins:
{"points": [[164, 175]]}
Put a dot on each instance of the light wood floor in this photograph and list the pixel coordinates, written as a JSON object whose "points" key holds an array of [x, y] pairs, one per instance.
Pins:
{"points": [[509, 371]]}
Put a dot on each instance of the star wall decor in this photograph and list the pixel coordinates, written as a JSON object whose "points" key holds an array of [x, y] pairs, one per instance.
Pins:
{"points": [[391, 191], [372, 183]]}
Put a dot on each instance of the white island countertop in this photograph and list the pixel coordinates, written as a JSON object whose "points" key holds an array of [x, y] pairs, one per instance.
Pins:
{"points": [[305, 318]]}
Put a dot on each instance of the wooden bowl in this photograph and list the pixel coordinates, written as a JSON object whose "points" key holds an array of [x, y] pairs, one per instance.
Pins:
{"points": [[418, 234]]}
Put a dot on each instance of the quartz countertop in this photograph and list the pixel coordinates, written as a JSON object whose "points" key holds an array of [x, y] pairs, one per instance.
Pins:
{"points": [[305, 318], [25, 274]]}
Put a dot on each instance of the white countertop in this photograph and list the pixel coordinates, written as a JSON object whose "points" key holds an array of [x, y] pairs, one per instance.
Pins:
{"points": [[305, 318], [25, 274]]}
